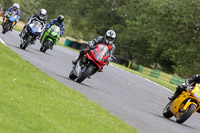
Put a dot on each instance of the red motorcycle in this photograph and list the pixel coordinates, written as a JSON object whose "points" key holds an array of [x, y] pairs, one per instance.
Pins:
{"points": [[91, 62]]}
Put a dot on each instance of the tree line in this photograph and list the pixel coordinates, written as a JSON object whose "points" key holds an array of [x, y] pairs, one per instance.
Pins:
{"points": [[163, 35]]}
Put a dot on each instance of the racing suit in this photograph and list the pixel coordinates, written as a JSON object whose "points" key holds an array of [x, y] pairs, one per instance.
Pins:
{"points": [[189, 83], [54, 21], [10, 10], [36, 16], [92, 45]]}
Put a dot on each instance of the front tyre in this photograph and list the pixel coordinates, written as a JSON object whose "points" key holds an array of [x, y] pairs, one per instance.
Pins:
{"points": [[46, 45], [166, 112], [26, 42], [85, 74], [72, 75], [183, 116]]}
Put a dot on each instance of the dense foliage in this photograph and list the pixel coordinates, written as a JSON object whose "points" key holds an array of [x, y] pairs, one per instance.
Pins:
{"points": [[160, 34]]}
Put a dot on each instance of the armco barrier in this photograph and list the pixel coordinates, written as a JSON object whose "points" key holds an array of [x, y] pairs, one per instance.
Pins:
{"points": [[161, 75], [165, 76], [146, 70], [155, 73], [176, 80]]}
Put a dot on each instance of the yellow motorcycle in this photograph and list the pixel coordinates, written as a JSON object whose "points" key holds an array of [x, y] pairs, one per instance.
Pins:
{"points": [[184, 105]]}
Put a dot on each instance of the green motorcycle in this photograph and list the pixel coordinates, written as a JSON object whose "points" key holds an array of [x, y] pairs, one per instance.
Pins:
{"points": [[50, 37]]}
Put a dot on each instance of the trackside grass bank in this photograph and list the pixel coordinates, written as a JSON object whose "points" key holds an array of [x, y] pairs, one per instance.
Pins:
{"points": [[32, 102]]}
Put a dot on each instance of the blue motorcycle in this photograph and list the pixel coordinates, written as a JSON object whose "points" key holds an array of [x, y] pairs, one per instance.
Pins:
{"points": [[10, 20], [31, 33]]}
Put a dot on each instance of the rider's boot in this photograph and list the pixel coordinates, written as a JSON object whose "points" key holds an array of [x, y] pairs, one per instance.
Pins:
{"points": [[20, 35], [76, 60], [101, 70], [172, 98]]}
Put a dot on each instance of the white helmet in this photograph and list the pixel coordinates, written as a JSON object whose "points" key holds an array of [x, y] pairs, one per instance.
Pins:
{"points": [[110, 36], [16, 5], [42, 13]]}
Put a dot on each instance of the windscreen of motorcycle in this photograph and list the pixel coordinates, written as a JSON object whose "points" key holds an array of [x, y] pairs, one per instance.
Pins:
{"points": [[101, 51], [55, 30], [12, 16], [36, 26]]}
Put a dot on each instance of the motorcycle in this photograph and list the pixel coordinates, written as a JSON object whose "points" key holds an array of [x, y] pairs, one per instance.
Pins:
{"points": [[10, 20], [31, 32], [91, 62], [184, 105], [51, 36]]}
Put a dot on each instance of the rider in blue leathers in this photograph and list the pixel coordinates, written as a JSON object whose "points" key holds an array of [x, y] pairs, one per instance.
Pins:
{"points": [[58, 22], [14, 8]]}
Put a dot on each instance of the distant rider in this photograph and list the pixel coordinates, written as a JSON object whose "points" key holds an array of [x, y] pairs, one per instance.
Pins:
{"points": [[41, 16], [59, 22], [108, 39], [189, 83], [11, 9]]}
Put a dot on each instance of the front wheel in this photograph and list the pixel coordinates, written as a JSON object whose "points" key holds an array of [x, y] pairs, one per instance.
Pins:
{"points": [[166, 112], [183, 116], [72, 75], [85, 74], [47, 45], [26, 42]]}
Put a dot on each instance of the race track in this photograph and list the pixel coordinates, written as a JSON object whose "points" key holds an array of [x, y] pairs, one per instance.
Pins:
{"points": [[131, 98]]}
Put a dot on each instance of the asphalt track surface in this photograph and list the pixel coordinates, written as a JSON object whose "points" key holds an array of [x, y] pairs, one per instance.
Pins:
{"points": [[135, 100]]}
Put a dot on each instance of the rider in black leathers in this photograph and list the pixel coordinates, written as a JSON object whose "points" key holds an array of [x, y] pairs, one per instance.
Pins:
{"points": [[107, 39], [189, 83]]}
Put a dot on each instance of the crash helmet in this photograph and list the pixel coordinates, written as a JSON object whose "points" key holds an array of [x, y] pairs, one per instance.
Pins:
{"points": [[15, 6], [110, 36], [60, 19], [42, 13]]}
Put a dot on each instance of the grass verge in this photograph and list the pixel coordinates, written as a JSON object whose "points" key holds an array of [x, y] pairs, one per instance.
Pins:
{"points": [[32, 102]]}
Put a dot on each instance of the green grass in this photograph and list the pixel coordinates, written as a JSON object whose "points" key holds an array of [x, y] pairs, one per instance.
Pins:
{"points": [[158, 81], [18, 28], [32, 102]]}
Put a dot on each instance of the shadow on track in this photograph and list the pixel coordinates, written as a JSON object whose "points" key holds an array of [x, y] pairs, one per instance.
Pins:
{"points": [[43, 52], [160, 116], [20, 48]]}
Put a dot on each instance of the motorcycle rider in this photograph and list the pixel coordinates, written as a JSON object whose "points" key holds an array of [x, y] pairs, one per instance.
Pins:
{"points": [[11, 9], [188, 85], [41, 16], [108, 39], [58, 22]]}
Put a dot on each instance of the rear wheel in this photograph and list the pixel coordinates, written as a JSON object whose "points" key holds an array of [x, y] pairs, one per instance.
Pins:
{"points": [[166, 112], [183, 116], [85, 74]]}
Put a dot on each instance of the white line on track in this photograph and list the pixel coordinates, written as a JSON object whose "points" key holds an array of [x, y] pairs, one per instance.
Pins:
{"points": [[3, 42], [145, 79]]}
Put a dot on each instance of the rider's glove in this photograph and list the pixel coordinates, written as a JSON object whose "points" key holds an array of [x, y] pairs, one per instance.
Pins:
{"points": [[189, 87]]}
